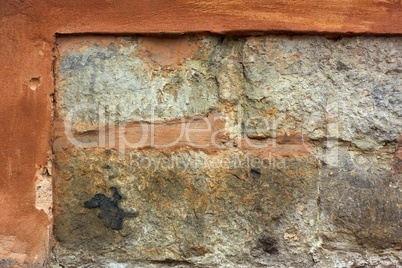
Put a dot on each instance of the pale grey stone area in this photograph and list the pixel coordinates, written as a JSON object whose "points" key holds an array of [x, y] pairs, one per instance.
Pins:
{"points": [[306, 80], [113, 78], [309, 80]]}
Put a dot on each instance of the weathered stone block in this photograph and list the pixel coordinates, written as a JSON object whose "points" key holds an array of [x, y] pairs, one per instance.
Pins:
{"points": [[206, 151]]}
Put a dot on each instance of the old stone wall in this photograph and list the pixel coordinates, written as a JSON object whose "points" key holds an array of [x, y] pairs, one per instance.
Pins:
{"points": [[220, 151], [29, 30]]}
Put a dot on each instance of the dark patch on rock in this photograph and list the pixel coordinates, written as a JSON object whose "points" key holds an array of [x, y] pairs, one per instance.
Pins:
{"points": [[342, 66], [255, 173], [111, 214], [268, 244]]}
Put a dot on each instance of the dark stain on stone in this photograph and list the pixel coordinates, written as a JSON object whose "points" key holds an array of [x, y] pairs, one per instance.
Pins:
{"points": [[268, 244], [255, 173], [106, 166], [342, 67], [111, 214], [108, 151]]}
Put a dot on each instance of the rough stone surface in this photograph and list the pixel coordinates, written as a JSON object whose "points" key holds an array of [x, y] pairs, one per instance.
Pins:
{"points": [[325, 192], [304, 80], [123, 79]]}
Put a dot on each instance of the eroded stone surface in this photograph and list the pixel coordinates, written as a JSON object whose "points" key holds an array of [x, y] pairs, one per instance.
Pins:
{"points": [[189, 208], [324, 192], [134, 81], [302, 81]]}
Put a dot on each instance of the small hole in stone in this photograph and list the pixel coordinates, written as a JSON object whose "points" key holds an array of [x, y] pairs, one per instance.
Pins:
{"points": [[255, 173], [268, 244], [34, 83]]}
